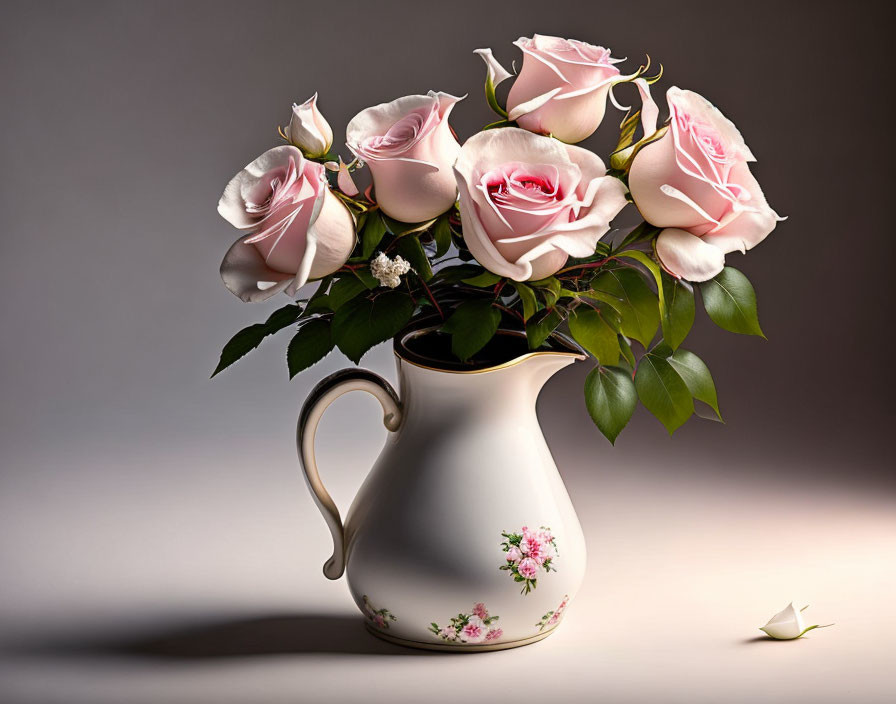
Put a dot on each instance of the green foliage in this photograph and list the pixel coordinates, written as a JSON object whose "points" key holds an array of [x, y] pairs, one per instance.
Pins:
{"points": [[591, 331], [696, 376], [410, 248], [610, 397], [730, 301], [484, 280], [342, 291], [679, 299], [441, 233], [251, 337], [636, 303], [549, 289], [663, 392], [372, 234], [527, 298], [471, 326], [540, 326], [309, 345], [364, 322]]}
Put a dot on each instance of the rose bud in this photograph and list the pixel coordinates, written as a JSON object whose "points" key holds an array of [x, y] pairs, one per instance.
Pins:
{"points": [[528, 203], [409, 148], [788, 624], [562, 88], [308, 130], [696, 181], [298, 230]]}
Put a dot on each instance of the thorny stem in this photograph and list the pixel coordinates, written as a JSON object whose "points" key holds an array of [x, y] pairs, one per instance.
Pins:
{"points": [[431, 298]]}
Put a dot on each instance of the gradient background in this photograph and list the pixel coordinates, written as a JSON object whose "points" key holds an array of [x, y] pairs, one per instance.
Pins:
{"points": [[157, 543]]}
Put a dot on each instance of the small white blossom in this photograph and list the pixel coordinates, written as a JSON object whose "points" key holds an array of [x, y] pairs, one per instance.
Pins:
{"points": [[389, 271], [788, 624]]}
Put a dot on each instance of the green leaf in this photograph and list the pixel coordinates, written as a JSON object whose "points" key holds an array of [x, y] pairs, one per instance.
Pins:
{"points": [[309, 345], [240, 345], [251, 337], [458, 272], [730, 300], [663, 391], [679, 297], [590, 330], [362, 323], [697, 377], [611, 398], [644, 231], [400, 229], [484, 280], [471, 326], [540, 326], [372, 234], [549, 289], [657, 274], [343, 290], [635, 302], [442, 235], [283, 317], [527, 296], [626, 350], [411, 249]]}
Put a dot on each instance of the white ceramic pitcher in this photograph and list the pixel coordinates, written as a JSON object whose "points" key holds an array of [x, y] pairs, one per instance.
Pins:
{"points": [[463, 536]]}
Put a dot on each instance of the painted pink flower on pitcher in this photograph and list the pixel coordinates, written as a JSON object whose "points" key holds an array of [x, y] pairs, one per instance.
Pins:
{"points": [[474, 627], [378, 617], [410, 150], [695, 181], [551, 618], [297, 229], [526, 553], [528, 203]]}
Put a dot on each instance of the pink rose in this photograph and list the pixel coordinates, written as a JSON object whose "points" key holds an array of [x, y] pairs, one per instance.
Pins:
{"points": [[480, 611], [528, 202], [696, 182], [410, 150], [298, 230], [562, 88], [528, 568], [448, 633], [514, 554], [475, 630], [379, 620]]}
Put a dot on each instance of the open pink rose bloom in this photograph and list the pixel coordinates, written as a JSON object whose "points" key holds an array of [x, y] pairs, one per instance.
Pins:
{"points": [[696, 182], [513, 229]]}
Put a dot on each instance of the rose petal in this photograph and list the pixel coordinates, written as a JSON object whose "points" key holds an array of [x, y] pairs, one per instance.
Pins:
{"points": [[688, 256]]}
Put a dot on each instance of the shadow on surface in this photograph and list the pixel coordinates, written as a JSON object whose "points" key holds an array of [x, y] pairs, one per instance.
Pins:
{"points": [[251, 637], [769, 639]]}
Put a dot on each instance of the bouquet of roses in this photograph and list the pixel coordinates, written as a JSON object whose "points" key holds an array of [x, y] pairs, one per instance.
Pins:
{"points": [[512, 229]]}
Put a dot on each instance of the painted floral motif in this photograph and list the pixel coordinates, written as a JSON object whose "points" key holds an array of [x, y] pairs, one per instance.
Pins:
{"points": [[474, 627], [527, 553], [378, 617], [552, 617]]}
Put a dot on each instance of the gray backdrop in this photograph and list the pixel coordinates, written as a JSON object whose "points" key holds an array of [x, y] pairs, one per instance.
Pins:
{"points": [[121, 124]]}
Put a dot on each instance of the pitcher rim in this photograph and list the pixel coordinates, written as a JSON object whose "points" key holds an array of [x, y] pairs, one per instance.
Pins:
{"points": [[401, 351]]}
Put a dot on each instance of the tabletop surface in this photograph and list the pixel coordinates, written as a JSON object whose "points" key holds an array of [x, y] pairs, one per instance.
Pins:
{"points": [[208, 588]]}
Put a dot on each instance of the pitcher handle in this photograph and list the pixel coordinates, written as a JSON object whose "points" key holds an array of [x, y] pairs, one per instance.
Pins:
{"points": [[320, 397]]}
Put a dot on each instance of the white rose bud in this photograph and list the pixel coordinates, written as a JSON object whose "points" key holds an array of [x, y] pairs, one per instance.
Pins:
{"points": [[788, 624], [389, 271], [308, 129]]}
